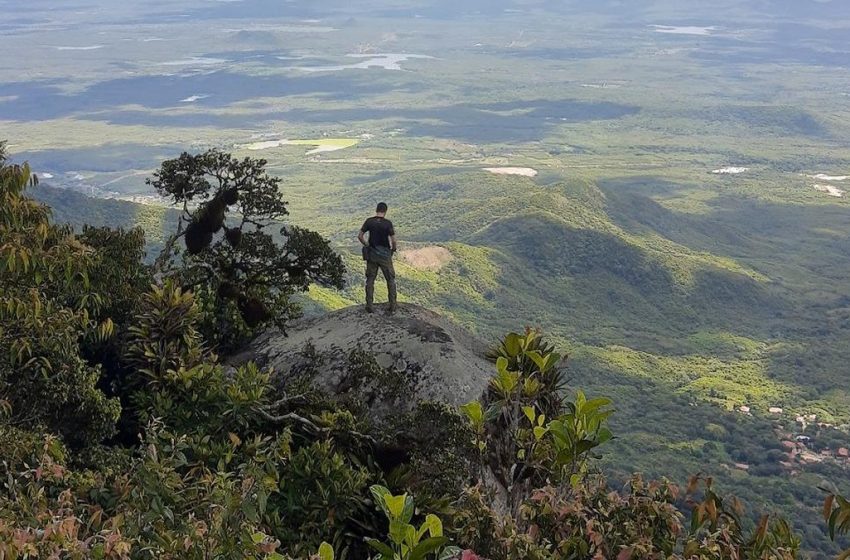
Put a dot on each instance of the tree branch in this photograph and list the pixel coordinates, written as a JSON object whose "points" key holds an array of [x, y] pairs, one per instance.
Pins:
{"points": [[288, 417]]}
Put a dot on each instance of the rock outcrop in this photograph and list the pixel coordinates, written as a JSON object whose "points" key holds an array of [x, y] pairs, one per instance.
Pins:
{"points": [[390, 364]]}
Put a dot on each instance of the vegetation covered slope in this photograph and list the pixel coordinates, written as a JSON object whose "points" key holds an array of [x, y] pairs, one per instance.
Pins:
{"points": [[123, 435], [683, 313], [723, 289], [678, 313]]}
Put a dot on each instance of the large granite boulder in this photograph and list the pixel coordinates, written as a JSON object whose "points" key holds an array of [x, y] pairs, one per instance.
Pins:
{"points": [[389, 364]]}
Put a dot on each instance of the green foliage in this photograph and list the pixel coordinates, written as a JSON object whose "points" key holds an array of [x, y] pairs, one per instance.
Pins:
{"points": [[162, 507], [836, 513], [574, 434], [442, 459], [717, 530], [326, 552], [526, 433], [309, 490], [538, 365], [591, 521], [119, 276], [118, 272], [247, 275], [406, 541], [47, 307], [321, 496], [551, 507], [230, 465]]}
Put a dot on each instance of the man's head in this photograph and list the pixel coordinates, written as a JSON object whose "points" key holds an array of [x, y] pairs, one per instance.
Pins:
{"points": [[381, 209]]}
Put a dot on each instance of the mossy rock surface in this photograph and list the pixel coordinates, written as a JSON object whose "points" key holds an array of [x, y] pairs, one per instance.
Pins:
{"points": [[391, 364]]}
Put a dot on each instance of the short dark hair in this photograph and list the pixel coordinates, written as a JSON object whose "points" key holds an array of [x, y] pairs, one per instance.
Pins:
{"points": [[382, 207]]}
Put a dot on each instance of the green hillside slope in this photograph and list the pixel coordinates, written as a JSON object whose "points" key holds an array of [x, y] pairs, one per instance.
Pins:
{"points": [[680, 316], [77, 209]]}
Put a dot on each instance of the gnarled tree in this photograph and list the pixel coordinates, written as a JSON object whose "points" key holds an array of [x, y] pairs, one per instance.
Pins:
{"points": [[237, 255]]}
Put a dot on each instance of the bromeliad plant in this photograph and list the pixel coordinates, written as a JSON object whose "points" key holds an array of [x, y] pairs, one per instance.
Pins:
{"points": [[406, 542], [526, 434]]}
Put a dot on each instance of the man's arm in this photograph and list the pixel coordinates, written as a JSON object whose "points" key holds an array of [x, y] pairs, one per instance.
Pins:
{"points": [[362, 235], [392, 243]]}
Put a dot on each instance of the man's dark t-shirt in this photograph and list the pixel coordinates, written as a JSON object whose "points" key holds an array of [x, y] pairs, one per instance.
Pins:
{"points": [[380, 230]]}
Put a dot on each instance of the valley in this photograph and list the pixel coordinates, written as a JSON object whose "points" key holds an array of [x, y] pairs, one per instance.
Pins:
{"points": [[660, 187]]}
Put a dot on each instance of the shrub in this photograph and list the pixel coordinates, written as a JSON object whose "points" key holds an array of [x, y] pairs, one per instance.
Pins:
{"points": [[47, 308]]}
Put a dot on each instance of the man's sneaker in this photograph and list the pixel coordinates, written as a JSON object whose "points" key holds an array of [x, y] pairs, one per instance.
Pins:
{"points": [[391, 309], [370, 309]]}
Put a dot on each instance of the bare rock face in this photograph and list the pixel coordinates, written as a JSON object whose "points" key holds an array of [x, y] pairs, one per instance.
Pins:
{"points": [[389, 364]]}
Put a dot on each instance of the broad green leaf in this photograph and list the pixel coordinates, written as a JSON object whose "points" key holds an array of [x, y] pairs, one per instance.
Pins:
{"points": [[513, 344], [507, 381], [580, 399], [529, 413], [407, 512], [595, 404], [380, 493], [584, 446], [474, 411], [410, 538], [539, 361], [250, 511], [531, 387], [385, 550], [435, 526], [427, 547], [398, 531], [326, 551]]}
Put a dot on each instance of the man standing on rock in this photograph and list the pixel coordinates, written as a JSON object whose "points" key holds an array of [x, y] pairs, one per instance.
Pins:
{"points": [[378, 253]]}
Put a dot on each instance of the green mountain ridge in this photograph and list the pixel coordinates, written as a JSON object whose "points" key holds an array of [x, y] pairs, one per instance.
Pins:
{"points": [[679, 317]]}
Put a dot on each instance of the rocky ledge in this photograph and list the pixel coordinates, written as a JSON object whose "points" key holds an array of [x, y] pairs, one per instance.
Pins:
{"points": [[391, 364]]}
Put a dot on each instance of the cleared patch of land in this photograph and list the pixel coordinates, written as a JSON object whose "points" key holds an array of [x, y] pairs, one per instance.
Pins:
{"points": [[684, 30], [431, 258], [322, 145], [390, 61], [522, 171], [88, 48], [831, 190], [731, 170], [825, 177]]}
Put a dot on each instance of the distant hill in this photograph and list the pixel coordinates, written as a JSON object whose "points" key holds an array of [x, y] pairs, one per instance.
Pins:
{"points": [[78, 209]]}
